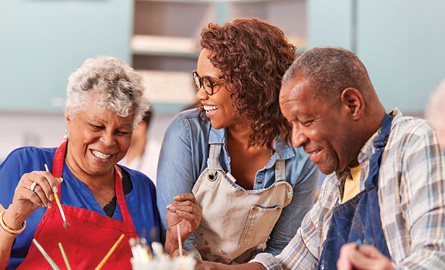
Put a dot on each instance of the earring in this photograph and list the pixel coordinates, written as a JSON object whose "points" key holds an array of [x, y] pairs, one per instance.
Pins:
{"points": [[66, 136]]}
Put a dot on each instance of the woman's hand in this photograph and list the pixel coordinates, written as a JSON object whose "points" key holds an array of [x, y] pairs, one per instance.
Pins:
{"points": [[186, 212], [362, 257], [29, 196], [24, 202]]}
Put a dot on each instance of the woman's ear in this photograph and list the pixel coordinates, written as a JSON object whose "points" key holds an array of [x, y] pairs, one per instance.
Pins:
{"points": [[353, 101], [67, 118]]}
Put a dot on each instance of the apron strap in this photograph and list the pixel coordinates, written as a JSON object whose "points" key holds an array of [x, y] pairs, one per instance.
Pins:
{"points": [[213, 160], [359, 218], [375, 160], [213, 163], [59, 156], [280, 170]]}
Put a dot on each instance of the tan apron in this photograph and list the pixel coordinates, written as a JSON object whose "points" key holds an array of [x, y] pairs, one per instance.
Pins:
{"points": [[235, 222]]}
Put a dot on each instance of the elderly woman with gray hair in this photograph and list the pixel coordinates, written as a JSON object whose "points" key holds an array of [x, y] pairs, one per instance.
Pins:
{"points": [[100, 201]]}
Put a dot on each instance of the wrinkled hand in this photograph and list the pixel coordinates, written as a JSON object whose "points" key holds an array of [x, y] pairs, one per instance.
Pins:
{"points": [[365, 257], [186, 212], [26, 201]]}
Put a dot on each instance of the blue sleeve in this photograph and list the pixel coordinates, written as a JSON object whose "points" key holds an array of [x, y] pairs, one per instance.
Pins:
{"points": [[306, 174], [9, 178], [17, 163], [20, 161], [177, 165]]}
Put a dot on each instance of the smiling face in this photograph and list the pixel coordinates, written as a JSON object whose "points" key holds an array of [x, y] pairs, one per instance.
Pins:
{"points": [[98, 139], [218, 107], [325, 131]]}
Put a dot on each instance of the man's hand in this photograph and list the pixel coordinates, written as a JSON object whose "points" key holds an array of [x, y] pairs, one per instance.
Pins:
{"points": [[362, 257]]}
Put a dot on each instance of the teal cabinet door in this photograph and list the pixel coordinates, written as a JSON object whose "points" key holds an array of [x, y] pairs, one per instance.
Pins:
{"points": [[401, 42], [43, 41]]}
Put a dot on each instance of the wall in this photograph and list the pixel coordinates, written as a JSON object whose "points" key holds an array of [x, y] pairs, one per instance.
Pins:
{"points": [[43, 41], [400, 42]]}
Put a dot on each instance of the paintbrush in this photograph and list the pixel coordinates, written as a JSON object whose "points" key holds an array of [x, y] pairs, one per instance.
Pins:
{"points": [[179, 239], [50, 261], [104, 260], [66, 225], [64, 257]]}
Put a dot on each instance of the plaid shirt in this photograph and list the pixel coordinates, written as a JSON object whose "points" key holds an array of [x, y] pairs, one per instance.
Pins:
{"points": [[411, 197]]}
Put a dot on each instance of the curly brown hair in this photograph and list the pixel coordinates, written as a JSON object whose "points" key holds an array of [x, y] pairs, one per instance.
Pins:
{"points": [[253, 56]]}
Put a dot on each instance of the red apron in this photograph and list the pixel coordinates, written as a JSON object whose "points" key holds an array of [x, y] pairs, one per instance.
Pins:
{"points": [[89, 237]]}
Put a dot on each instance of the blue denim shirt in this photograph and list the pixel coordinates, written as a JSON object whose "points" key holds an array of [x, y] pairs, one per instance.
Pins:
{"points": [[184, 155]]}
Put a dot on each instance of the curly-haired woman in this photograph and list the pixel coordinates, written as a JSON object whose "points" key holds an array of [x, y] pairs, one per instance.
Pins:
{"points": [[234, 152]]}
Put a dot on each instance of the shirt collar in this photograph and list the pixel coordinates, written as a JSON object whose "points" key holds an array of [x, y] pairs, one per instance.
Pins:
{"points": [[217, 135], [368, 148], [282, 150]]}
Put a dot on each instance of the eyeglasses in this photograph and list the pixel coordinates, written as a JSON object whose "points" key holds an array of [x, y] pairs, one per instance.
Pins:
{"points": [[206, 83]]}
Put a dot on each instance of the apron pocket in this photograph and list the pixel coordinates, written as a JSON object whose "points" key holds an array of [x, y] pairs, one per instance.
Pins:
{"points": [[260, 222]]}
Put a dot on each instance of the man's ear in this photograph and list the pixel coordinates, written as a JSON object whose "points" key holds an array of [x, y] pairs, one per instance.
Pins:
{"points": [[353, 101]]}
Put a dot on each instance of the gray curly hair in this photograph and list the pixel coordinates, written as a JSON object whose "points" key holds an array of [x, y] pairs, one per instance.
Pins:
{"points": [[120, 85]]}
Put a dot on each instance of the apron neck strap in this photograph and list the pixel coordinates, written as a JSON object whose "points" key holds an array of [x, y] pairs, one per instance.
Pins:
{"points": [[379, 145], [213, 160], [57, 170], [214, 165], [280, 170], [385, 129], [59, 156]]}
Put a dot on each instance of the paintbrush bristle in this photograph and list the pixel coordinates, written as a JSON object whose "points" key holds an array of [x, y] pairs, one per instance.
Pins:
{"points": [[66, 225]]}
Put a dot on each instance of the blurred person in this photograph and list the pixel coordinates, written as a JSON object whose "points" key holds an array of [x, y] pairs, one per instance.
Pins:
{"points": [[143, 153], [100, 200], [435, 112], [234, 152], [382, 202]]}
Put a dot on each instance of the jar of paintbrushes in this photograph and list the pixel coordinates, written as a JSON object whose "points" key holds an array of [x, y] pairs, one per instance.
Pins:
{"points": [[154, 258]]}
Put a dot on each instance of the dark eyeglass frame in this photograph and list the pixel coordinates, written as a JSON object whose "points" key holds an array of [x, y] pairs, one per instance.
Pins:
{"points": [[205, 82]]}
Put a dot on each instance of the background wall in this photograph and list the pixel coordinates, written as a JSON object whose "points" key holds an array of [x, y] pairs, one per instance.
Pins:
{"points": [[400, 42], [43, 41]]}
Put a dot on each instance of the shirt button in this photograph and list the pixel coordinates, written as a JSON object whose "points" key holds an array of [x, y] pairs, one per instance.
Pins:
{"points": [[259, 181]]}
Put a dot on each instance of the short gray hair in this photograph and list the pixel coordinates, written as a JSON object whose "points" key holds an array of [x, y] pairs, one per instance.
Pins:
{"points": [[435, 112], [120, 85], [331, 70]]}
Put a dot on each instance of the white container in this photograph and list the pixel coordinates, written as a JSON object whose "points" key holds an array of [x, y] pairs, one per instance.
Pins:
{"points": [[165, 263]]}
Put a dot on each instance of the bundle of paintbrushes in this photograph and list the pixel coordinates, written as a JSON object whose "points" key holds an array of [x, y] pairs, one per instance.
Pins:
{"points": [[55, 267], [154, 258], [159, 260]]}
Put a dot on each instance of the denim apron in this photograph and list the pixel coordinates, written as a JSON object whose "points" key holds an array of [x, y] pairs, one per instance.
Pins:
{"points": [[235, 222], [359, 218]]}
